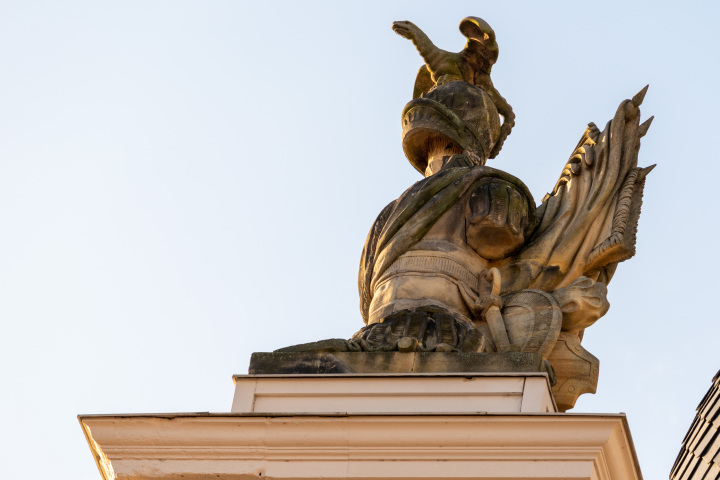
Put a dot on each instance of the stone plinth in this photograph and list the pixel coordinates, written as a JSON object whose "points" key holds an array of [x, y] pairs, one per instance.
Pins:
{"points": [[349, 446], [394, 394], [262, 363]]}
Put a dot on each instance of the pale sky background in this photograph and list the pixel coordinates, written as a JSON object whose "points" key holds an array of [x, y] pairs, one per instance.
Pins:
{"points": [[184, 183]]}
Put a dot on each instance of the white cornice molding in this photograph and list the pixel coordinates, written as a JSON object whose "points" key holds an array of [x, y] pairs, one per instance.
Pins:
{"points": [[233, 446]]}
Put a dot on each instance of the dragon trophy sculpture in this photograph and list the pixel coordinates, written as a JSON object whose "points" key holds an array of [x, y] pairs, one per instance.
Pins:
{"points": [[464, 261]]}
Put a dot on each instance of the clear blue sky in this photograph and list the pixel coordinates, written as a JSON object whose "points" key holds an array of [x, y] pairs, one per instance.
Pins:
{"points": [[184, 183]]}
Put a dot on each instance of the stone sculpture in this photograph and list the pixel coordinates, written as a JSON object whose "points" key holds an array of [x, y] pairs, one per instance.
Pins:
{"points": [[471, 66], [464, 261]]}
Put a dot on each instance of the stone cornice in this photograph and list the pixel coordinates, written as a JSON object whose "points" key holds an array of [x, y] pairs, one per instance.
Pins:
{"points": [[231, 446]]}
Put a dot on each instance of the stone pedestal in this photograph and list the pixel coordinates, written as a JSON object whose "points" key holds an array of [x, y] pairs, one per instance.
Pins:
{"points": [[370, 427]]}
